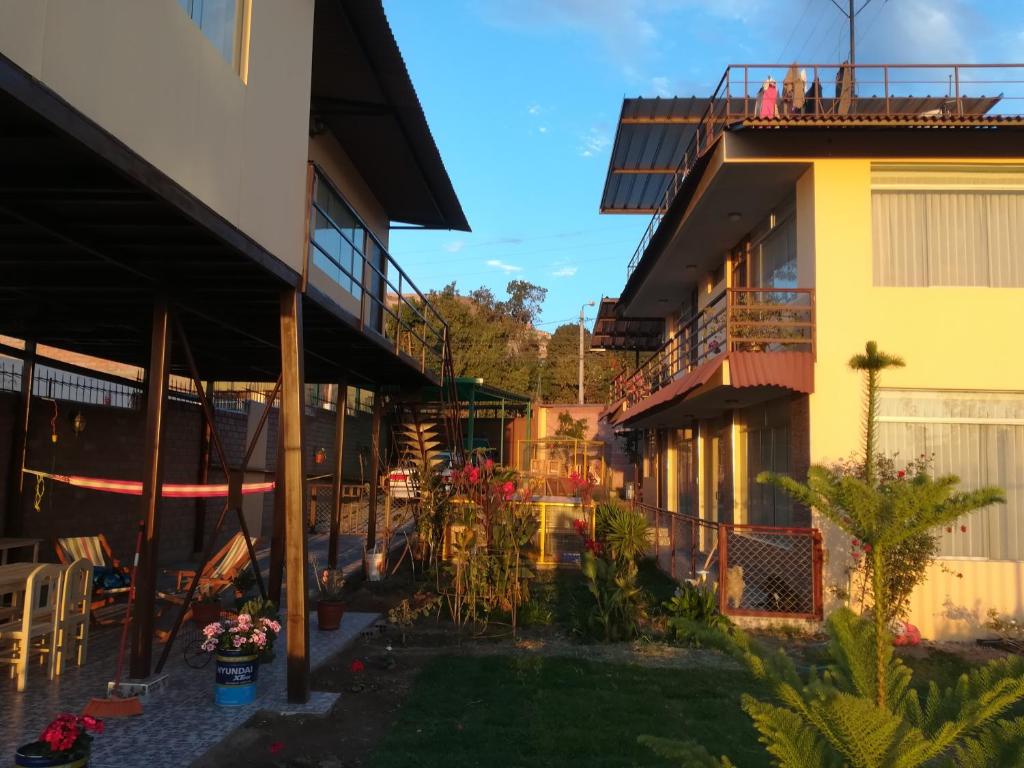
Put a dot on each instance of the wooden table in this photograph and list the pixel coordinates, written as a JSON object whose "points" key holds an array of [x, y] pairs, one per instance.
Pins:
{"points": [[6, 545]]}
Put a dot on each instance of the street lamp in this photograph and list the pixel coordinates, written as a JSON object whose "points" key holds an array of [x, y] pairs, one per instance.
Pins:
{"points": [[588, 304]]}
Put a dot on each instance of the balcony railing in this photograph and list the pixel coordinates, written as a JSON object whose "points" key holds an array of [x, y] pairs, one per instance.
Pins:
{"points": [[930, 93], [388, 303], [737, 320]]}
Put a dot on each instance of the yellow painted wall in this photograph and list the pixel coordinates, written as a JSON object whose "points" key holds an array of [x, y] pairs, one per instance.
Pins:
{"points": [[929, 328], [147, 74]]}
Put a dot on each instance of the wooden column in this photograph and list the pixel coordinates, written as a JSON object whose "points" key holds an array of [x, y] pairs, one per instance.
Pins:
{"points": [[276, 575], [19, 443], [339, 453], [291, 416], [371, 515], [152, 481], [202, 476]]}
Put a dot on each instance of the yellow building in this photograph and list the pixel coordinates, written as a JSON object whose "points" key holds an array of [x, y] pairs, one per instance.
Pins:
{"points": [[208, 188], [785, 233]]}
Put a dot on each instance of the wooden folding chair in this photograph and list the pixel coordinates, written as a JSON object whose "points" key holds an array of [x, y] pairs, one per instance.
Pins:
{"points": [[216, 577], [36, 631], [97, 551], [73, 617]]}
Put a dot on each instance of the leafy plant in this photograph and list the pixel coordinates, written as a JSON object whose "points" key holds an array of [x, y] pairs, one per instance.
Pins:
{"points": [[618, 599], [693, 608], [623, 531], [831, 719], [404, 615], [880, 513]]}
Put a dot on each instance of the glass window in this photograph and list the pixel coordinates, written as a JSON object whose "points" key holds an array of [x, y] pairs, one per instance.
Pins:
{"points": [[953, 226], [775, 262], [979, 437], [220, 21], [767, 449], [338, 242]]}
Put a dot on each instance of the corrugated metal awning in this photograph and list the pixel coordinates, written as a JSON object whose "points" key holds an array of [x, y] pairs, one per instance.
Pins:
{"points": [[611, 332]]}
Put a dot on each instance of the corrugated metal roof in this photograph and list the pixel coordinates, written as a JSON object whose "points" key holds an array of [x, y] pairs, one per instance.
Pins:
{"points": [[613, 332], [788, 370], [653, 134], [792, 370]]}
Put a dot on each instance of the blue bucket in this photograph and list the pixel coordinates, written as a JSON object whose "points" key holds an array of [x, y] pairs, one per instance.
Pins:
{"points": [[236, 678]]}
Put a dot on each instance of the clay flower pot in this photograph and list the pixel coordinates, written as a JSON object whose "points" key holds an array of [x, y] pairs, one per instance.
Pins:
{"points": [[329, 613]]}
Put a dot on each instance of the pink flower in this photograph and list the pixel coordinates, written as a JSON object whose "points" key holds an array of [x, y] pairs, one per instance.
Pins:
{"points": [[237, 641], [473, 475], [489, 465], [357, 666], [508, 490]]}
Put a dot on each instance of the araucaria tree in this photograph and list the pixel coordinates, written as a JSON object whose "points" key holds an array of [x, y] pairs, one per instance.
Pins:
{"points": [[881, 513], [861, 711]]}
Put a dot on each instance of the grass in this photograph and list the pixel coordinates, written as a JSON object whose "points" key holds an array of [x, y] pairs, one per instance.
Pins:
{"points": [[537, 711]]}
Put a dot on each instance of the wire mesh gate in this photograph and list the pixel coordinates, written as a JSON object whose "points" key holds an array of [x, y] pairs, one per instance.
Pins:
{"points": [[762, 571]]}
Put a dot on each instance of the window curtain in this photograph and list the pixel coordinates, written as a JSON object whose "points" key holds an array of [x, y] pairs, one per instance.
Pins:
{"points": [[948, 237], [980, 439]]}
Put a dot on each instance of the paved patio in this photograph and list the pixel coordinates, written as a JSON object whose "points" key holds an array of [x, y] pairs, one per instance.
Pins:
{"points": [[181, 722]]}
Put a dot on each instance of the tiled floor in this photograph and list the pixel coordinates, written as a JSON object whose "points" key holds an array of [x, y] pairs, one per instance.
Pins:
{"points": [[180, 723]]}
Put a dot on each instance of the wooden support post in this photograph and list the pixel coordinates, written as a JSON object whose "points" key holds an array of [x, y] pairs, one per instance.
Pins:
{"points": [[277, 534], [291, 416], [19, 443], [152, 482], [202, 477], [371, 515], [339, 453]]}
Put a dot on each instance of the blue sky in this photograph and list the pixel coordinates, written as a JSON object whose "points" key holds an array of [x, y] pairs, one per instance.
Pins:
{"points": [[523, 96]]}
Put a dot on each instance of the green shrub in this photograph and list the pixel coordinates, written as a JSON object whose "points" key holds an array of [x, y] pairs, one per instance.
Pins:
{"points": [[692, 609]]}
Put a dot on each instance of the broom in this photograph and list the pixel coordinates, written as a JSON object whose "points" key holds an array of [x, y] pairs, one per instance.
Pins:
{"points": [[116, 705]]}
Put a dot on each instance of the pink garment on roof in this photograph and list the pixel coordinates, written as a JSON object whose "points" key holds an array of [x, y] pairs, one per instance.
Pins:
{"points": [[769, 101]]}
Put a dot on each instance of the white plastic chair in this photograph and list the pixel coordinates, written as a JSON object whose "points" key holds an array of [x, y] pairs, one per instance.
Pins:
{"points": [[37, 629], [73, 619]]}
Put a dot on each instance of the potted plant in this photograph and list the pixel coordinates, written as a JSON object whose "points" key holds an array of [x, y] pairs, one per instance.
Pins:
{"points": [[206, 607], [237, 644], [65, 742], [262, 608], [330, 608]]}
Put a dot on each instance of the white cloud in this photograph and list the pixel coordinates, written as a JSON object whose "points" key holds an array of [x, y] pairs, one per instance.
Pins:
{"points": [[506, 268], [661, 87], [593, 143], [534, 109], [542, 129], [565, 272], [454, 246]]}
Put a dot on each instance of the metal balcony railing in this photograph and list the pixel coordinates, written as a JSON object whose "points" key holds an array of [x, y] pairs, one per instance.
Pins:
{"points": [[876, 94], [737, 320], [390, 304]]}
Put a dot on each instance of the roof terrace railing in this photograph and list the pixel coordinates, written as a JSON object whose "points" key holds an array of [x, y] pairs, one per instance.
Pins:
{"points": [[390, 304], [843, 94]]}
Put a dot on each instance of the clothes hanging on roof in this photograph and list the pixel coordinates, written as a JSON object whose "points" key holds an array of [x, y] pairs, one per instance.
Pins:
{"points": [[844, 88], [793, 90], [812, 104], [767, 104]]}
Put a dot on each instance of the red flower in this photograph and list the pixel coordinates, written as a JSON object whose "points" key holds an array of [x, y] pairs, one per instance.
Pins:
{"points": [[949, 529], [92, 724], [901, 474], [580, 526], [508, 489], [358, 666], [855, 543], [867, 547], [963, 529], [473, 475], [276, 747], [489, 465], [593, 546]]}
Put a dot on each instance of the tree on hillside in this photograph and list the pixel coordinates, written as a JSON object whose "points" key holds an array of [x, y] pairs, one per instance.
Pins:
{"points": [[560, 374], [489, 338]]}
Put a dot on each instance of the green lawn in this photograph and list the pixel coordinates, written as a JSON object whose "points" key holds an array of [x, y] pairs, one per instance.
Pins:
{"points": [[536, 711]]}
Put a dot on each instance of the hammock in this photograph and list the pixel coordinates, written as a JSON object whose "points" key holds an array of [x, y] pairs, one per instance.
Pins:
{"points": [[169, 490]]}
